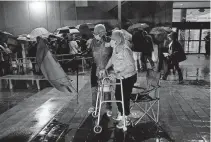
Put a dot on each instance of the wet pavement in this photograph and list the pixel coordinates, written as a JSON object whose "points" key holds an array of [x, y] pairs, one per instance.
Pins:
{"points": [[26, 118], [52, 116]]}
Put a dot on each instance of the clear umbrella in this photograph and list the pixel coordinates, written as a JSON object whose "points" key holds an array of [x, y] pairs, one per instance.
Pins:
{"points": [[38, 32]]}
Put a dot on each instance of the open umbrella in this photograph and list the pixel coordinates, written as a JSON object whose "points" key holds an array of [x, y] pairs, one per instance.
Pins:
{"points": [[51, 68], [42, 32], [90, 26], [85, 29], [5, 33], [4, 36], [161, 30], [138, 26], [160, 33]]}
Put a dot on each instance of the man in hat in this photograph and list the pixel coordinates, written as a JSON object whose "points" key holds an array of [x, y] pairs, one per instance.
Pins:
{"points": [[101, 52]]}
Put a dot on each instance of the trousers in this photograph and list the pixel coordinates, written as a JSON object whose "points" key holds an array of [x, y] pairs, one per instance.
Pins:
{"points": [[169, 66], [94, 86], [127, 84]]}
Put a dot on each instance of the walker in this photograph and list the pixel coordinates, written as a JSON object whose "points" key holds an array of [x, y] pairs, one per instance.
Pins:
{"points": [[104, 85]]}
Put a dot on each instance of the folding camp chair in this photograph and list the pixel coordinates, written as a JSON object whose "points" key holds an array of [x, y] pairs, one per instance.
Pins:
{"points": [[147, 97]]}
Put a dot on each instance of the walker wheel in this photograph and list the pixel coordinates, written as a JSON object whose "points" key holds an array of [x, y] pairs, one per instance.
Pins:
{"points": [[124, 129], [94, 114], [97, 129]]}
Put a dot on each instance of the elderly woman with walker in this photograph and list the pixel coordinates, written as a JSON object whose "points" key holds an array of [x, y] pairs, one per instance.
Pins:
{"points": [[125, 73]]}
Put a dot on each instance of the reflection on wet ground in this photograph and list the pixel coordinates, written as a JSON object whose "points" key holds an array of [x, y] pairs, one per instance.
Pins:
{"points": [[141, 132], [196, 68], [10, 98]]}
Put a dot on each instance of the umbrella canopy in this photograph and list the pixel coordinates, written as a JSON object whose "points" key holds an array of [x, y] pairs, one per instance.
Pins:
{"points": [[160, 33], [4, 36], [86, 29], [5, 33], [161, 30], [90, 26], [38, 32], [64, 28], [138, 26]]}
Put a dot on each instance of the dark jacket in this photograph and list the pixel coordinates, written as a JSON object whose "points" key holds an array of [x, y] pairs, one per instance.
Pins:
{"points": [[148, 44], [178, 54], [137, 39], [141, 43]]}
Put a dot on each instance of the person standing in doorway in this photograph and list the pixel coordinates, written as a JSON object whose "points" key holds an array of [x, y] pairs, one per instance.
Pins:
{"points": [[207, 44]]}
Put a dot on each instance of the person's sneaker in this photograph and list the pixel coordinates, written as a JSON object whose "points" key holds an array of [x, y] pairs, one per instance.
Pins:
{"points": [[109, 113], [91, 110], [119, 116], [120, 125]]}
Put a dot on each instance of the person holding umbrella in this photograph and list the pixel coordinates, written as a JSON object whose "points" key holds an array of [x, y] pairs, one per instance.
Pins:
{"points": [[160, 37], [174, 56]]}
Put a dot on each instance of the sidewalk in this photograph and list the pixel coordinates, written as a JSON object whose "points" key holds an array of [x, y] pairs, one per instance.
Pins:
{"points": [[184, 113]]}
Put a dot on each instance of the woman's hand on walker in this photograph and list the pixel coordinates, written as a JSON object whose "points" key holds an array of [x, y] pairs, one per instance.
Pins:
{"points": [[102, 73], [112, 76]]}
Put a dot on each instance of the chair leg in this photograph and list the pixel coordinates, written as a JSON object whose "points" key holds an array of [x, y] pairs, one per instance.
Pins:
{"points": [[153, 113], [158, 112], [38, 84], [146, 107], [10, 84]]}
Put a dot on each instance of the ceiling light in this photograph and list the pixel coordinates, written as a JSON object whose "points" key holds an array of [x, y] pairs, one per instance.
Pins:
{"points": [[181, 4]]}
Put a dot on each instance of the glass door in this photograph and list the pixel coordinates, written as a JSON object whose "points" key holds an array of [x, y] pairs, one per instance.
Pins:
{"points": [[190, 40], [203, 34]]}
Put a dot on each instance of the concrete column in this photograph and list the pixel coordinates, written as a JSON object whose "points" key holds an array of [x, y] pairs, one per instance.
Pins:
{"points": [[120, 13]]}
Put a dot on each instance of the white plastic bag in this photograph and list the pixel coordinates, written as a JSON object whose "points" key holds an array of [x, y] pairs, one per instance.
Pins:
{"points": [[153, 57], [155, 53]]}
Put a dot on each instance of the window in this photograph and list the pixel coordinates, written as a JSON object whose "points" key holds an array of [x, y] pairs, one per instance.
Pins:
{"points": [[198, 15], [190, 38], [176, 15], [192, 15]]}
